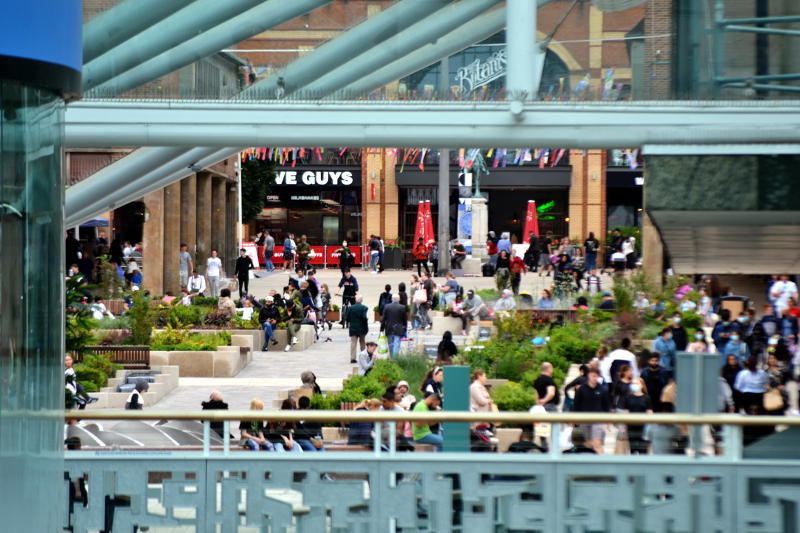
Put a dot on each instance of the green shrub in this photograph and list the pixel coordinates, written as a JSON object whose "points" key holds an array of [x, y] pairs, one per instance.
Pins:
{"points": [[514, 363], [576, 343], [187, 315], [513, 397], [171, 339], [141, 319], [95, 370], [488, 295], [386, 372], [205, 301], [329, 402], [240, 323], [514, 326], [121, 322], [414, 367]]}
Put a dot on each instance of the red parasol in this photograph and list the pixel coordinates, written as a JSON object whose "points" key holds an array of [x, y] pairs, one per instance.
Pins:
{"points": [[531, 222], [429, 237]]}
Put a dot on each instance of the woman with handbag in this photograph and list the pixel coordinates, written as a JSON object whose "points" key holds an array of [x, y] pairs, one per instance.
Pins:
{"points": [[422, 299], [777, 399]]}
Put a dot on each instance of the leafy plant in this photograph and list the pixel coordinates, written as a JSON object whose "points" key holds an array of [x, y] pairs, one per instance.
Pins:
{"points": [[182, 340], [488, 295], [218, 319], [94, 371], [78, 321], [257, 175], [335, 307], [513, 397], [121, 322], [205, 301], [238, 322], [141, 319], [514, 326], [187, 315]]}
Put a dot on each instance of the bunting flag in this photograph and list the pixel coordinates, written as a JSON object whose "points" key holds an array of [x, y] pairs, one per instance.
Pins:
{"points": [[543, 159], [430, 236], [461, 157], [558, 157], [341, 153], [496, 158], [422, 160]]}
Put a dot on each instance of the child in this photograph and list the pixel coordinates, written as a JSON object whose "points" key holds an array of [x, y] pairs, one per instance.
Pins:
{"points": [[593, 283]]}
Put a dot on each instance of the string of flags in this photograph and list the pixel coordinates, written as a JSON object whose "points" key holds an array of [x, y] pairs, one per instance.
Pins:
{"points": [[499, 157]]}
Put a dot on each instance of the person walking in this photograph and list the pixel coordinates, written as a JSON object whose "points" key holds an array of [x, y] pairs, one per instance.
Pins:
{"points": [[303, 253], [394, 320], [348, 287], [186, 265], [434, 257], [592, 398], [269, 249], [345, 257], [243, 267], [591, 246], [288, 252], [421, 257], [374, 253], [516, 269], [214, 272], [359, 326]]}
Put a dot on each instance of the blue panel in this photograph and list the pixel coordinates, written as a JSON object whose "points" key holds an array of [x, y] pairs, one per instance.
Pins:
{"points": [[43, 30]]}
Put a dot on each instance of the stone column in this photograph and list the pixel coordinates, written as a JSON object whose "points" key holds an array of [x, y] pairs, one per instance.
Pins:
{"points": [[652, 251], [189, 215], [153, 243], [480, 227], [391, 198], [231, 220], [172, 238], [202, 216], [218, 201]]}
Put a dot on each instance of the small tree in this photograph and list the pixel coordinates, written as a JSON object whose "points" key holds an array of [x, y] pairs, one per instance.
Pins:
{"points": [[257, 175], [141, 319], [78, 321]]}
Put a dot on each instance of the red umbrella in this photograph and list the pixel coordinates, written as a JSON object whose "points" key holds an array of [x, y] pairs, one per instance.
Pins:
{"points": [[531, 222], [419, 229], [430, 235]]}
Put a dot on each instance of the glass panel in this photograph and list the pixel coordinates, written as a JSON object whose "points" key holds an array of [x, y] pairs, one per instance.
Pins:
{"points": [[31, 297]]}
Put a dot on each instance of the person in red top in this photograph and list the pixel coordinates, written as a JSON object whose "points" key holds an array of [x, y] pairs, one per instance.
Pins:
{"points": [[793, 309], [421, 257], [491, 248], [516, 268]]}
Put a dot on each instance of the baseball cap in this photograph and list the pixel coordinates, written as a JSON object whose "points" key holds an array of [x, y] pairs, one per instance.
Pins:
{"points": [[269, 299], [402, 383]]}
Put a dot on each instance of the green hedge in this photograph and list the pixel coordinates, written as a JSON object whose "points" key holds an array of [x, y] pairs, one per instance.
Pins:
{"points": [[95, 370]]}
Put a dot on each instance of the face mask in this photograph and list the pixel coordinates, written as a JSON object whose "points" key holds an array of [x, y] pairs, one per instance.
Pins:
{"points": [[677, 320], [668, 336], [735, 338], [772, 342], [699, 336], [725, 322], [743, 320], [635, 387]]}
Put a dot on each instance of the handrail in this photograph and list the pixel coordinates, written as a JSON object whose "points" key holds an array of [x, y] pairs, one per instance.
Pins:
{"points": [[435, 416]]}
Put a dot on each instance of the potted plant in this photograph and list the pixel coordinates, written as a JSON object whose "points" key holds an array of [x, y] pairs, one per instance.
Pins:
{"points": [[334, 313], [377, 314], [393, 254]]}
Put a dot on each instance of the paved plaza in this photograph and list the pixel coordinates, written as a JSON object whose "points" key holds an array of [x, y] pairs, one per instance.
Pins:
{"points": [[272, 372]]}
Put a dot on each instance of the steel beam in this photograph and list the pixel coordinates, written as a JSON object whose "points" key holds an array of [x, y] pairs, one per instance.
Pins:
{"points": [[476, 30], [120, 183], [365, 36], [123, 21], [428, 29], [369, 124], [521, 79], [253, 21], [184, 24]]}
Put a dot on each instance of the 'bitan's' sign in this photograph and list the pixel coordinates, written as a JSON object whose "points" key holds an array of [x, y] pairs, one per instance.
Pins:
{"points": [[317, 178]]}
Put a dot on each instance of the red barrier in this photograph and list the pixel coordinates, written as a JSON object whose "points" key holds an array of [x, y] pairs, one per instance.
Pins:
{"points": [[319, 255]]}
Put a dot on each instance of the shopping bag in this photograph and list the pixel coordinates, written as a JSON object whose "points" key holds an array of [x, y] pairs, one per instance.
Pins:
{"points": [[383, 344], [773, 400]]}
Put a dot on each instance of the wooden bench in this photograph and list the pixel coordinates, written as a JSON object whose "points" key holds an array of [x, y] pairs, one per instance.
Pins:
{"points": [[130, 357]]}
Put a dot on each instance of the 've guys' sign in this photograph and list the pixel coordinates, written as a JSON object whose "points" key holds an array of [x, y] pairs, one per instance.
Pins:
{"points": [[318, 178], [480, 73]]}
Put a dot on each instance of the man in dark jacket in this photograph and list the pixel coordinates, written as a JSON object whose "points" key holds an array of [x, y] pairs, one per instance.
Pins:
{"points": [[592, 398], [348, 287], [393, 322], [294, 319], [268, 315], [215, 401], [678, 332], [359, 327], [243, 267]]}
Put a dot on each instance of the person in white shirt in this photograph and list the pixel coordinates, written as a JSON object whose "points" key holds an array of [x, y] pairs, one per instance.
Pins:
{"points": [[197, 284], [127, 250], [246, 312], [620, 354], [214, 272], [781, 292]]}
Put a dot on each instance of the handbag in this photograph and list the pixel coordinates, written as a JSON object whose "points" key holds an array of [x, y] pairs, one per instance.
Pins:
{"points": [[668, 393], [383, 344], [773, 400], [420, 296]]}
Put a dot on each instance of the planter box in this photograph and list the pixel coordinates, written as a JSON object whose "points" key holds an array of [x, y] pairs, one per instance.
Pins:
{"points": [[377, 316], [334, 316], [392, 258]]}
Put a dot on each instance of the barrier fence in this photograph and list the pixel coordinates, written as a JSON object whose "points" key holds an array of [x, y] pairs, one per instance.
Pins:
{"points": [[384, 490]]}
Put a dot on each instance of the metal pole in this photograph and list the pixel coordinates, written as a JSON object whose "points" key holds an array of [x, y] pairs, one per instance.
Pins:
{"points": [[521, 49], [444, 209]]}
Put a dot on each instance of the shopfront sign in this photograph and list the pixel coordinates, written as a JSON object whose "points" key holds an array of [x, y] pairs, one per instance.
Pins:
{"points": [[480, 73], [318, 178]]}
